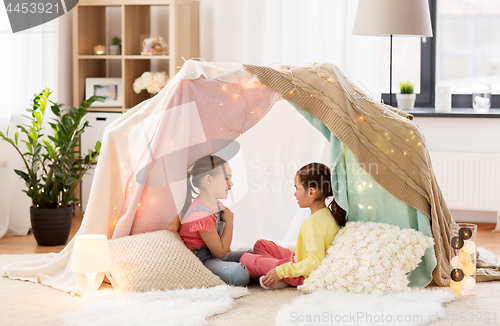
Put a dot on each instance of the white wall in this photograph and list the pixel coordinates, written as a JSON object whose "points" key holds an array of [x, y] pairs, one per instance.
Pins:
{"points": [[463, 135]]}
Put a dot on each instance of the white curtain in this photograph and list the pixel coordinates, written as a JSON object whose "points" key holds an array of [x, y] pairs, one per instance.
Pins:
{"points": [[29, 62], [289, 32]]}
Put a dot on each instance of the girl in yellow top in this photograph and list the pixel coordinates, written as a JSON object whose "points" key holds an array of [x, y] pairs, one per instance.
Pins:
{"points": [[278, 267]]}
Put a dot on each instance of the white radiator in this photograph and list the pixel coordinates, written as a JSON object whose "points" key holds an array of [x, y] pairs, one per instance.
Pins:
{"points": [[469, 181]]}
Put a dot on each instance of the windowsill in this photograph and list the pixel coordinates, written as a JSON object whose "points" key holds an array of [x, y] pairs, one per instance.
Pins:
{"points": [[455, 113]]}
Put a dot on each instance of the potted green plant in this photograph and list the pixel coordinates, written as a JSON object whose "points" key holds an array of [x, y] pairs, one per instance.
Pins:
{"points": [[116, 44], [53, 168], [406, 100]]}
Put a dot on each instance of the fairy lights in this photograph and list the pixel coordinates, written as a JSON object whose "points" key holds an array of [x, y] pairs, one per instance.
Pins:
{"points": [[464, 259]]}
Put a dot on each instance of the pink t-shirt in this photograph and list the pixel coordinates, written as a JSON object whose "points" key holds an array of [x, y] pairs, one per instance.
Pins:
{"points": [[196, 222]]}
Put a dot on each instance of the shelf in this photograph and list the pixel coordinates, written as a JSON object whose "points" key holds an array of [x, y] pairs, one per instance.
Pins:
{"points": [[97, 57], [455, 113], [118, 57], [146, 57], [98, 21], [106, 109]]}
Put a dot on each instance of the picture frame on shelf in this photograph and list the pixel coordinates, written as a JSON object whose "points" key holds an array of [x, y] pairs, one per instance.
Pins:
{"points": [[110, 88]]}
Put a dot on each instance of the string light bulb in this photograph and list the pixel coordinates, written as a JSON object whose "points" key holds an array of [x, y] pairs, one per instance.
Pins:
{"points": [[456, 286], [465, 233], [454, 262], [469, 247], [457, 275], [468, 282], [457, 243], [469, 269], [464, 258]]}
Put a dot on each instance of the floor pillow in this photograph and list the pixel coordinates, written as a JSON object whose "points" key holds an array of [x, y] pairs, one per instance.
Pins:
{"points": [[157, 261], [369, 257]]}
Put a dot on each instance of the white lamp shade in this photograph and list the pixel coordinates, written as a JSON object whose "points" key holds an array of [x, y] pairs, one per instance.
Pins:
{"points": [[90, 254], [393, 17]]}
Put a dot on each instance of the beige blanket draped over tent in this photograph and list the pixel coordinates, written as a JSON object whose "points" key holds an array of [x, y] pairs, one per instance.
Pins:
{"points": [[375, 133]]}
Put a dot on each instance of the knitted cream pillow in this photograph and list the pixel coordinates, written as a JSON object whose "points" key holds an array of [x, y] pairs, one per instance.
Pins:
{"points": [[368, 257], [157, 261]]}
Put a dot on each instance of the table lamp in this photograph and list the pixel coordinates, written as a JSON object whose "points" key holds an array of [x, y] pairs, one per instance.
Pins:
{"points": [[90, 256], [393, 17]]}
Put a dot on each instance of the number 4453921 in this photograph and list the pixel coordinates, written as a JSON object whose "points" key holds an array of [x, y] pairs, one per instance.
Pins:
{"points": [[32, 8]]}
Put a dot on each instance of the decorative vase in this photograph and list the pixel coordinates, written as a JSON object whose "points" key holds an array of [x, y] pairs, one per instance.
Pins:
{"points": [[114, 49], [463, 257], [406, 102], [51, 226]]}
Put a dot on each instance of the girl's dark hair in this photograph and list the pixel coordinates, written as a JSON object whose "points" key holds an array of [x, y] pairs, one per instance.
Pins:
{"points": [[318, 176], [205, 165]]}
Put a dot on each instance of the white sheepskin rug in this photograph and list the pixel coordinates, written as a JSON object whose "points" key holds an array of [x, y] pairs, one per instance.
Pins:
{"points": [[178, 307], [325, 307]]}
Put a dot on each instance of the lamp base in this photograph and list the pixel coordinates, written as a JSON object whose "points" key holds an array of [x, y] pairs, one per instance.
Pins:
{"points": [[91, 286]]}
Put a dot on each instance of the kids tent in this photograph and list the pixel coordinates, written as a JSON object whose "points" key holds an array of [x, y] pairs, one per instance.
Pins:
{"points": [[381, 168]]}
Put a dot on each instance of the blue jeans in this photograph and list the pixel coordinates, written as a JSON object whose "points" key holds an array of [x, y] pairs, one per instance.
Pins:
{"points": [[229, 269]]}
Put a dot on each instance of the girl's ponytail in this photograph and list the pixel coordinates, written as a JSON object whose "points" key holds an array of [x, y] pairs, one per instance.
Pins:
{"points": [[189, 196], [337, 212]]}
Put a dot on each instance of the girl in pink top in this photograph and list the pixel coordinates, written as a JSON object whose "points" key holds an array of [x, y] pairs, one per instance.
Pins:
{"points": [[206, 225]]}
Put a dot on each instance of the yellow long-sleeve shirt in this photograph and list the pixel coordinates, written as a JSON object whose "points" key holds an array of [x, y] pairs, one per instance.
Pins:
{"points": [[315, 237]]}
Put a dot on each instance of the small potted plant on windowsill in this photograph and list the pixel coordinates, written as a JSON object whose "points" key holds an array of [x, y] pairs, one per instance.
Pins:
{"points": [[116, 44], [53, 168], [406, 100]]}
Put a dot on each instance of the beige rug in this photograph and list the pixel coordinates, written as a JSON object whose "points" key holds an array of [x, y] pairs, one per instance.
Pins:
{"points": [[25, 303]]}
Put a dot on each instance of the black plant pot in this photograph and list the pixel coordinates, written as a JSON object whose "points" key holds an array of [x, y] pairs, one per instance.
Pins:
{"points": [[51, 226]]}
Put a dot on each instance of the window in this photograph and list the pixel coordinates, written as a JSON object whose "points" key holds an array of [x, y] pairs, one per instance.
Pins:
{"points": [[464, 51], [468, 44]]}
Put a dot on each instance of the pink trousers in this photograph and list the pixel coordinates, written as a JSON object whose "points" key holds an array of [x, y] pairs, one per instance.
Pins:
{"points": [[266, 256]]}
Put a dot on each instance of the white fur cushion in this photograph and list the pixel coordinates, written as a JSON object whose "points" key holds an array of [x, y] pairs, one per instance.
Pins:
{"points": [[157, 261], [368, 257]]}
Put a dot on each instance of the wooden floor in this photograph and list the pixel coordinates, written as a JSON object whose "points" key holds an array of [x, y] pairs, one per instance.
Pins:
{"points": [[27, 244]]}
